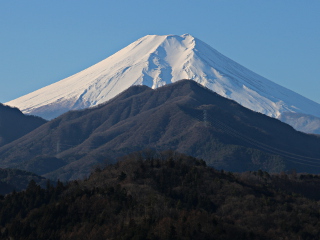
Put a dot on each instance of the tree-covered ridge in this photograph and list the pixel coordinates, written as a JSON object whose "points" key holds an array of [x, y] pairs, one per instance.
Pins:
{"points": [[183, 116], [17, 180], [165, 196], [14, 124]]}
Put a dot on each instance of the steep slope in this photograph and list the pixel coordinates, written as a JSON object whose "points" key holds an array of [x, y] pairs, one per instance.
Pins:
{"points": [[183, 116], [14, 124], [158, 60]]}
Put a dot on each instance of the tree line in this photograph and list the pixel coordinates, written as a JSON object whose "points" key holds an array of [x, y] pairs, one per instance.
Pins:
{"points": [[165, 196]]}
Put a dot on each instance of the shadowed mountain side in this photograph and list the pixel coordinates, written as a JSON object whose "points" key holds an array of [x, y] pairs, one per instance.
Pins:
{"points": [[14, 124], [183, 116]]}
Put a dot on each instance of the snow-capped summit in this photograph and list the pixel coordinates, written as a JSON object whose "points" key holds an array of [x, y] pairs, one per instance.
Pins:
{"points": [[158, 60]]}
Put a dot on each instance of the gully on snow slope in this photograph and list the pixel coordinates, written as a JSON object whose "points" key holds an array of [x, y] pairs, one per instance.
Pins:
{"points": [[158, 60]]}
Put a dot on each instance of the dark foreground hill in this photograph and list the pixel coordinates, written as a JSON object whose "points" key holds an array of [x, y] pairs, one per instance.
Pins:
{"points": [[14, 124], [183, 116], [168, 196], [17, 180]]}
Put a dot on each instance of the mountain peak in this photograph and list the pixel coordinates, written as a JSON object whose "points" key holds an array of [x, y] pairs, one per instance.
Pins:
{"points": [[157, 60]]}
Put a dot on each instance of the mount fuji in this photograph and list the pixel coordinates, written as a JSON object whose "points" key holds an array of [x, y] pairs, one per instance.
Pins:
{"points": [[155, 61]]}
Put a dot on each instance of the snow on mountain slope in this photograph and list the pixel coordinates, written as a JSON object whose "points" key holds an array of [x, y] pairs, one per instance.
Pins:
{"points": [[158, 60]]}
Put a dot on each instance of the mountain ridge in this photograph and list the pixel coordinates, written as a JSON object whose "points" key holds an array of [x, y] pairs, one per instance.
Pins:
{"points": [[183, 116], [158, 60], [14, 124]]}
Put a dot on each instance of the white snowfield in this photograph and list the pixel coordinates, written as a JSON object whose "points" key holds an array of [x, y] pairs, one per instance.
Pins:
{"points": [[158, 60]]}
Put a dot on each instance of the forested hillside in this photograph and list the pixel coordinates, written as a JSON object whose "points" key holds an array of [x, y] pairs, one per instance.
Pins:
{"points": [[17, 180], [183, 116], [149, 195]]}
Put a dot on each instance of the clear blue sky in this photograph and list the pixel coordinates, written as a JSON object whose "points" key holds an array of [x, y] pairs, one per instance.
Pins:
{"points": [[42, 42]]}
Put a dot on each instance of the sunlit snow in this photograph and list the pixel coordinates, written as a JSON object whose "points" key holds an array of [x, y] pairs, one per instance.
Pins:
{"points": [[158, 60]]}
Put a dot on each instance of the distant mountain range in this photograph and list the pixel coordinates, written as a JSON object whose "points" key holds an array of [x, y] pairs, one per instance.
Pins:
{"points": [[183, 116], [14, 124], [155, 61]]}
